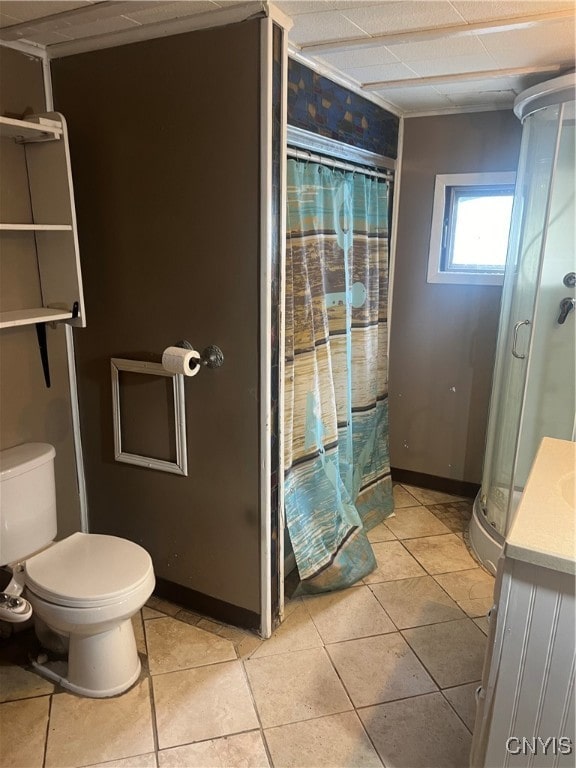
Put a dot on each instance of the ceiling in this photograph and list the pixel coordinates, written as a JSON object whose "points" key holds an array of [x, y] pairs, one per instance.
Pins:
{"points": [[415, 57]]}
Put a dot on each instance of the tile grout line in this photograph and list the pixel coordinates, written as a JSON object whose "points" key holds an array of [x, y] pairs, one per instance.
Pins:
{"points": [[257, 711], [47, 732], [454, 600], [453, 707], [340, 678], [414, 651], [151, 697], [419, 626]]}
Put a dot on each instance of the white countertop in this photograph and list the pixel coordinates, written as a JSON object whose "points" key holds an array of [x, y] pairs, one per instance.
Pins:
{"points": [[543, 531]]}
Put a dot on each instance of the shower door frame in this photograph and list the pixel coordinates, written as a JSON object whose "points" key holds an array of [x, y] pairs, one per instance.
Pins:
{"points": [[486, 540], [508, 344]]}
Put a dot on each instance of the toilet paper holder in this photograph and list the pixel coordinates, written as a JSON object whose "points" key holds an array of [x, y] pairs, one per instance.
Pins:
{"points": [[211, 356]]}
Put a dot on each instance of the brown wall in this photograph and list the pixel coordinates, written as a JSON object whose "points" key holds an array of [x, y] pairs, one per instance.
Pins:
{"points": [[164, 142], [29, 412], [443, 337]]}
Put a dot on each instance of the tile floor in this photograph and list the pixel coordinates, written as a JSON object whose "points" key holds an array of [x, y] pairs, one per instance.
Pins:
{"points": [[381, 674]]}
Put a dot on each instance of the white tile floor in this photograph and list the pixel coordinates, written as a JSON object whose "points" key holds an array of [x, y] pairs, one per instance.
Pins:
{"points": [[381, 674]]}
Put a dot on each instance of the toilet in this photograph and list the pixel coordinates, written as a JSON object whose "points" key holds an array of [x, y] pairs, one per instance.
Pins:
{"points": [[84, 589]]}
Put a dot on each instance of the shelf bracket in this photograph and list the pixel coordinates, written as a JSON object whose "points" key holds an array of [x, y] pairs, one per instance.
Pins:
{"points": [[43, 346]]}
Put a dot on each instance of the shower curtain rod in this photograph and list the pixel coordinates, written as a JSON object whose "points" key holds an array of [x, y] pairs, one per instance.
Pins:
{"points": [[304, 154]]}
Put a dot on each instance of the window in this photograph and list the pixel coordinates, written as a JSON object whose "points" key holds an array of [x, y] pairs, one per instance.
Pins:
{"points": [[470, 227]]}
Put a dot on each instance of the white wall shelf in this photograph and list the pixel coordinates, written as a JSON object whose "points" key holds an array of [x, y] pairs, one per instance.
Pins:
{"points": [[37, 128], [40, 260], [30, 316], [35, 227]]}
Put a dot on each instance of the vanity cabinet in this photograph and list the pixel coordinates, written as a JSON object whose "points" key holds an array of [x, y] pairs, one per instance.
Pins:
{"points": [[39, 261], [525, 714]]}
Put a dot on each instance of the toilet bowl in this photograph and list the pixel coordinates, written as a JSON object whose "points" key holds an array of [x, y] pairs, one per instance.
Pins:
{"points": [[87, 588], [83, 590]]}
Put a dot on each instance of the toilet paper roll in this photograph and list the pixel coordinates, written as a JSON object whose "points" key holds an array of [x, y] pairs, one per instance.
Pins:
{"points": [[179, 360]]}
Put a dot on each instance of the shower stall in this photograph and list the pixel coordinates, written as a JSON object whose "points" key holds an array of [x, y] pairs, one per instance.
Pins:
{"points": [[533, 390]]}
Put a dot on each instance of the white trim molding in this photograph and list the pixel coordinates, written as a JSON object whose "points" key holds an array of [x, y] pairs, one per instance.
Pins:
{"points": [[266, 40], [489, 74]]}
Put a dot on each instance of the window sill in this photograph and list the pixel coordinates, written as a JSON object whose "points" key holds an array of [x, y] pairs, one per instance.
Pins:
{"points": [[465, 278]]}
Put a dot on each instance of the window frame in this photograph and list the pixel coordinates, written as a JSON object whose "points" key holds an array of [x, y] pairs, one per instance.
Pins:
{"points": [[443, 183]]}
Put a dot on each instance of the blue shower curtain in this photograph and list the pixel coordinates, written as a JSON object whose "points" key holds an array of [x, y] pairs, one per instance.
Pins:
{"points": [[337, 481]]}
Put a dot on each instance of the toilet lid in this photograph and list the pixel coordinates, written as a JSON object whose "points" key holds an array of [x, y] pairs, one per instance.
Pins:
{"points": [[88, 569]]}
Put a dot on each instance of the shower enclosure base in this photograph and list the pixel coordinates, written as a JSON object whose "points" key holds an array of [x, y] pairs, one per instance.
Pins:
{"points": [[485, 541]]}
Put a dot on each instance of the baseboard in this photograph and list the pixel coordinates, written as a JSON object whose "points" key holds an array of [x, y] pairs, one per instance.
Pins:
{"points": [[444, 484], [207, 605]]}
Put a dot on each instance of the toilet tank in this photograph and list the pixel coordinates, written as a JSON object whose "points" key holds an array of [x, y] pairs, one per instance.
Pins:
{"points": [[27, 500]]}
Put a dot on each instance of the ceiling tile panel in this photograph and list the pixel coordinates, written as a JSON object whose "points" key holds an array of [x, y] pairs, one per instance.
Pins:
{"points": [[481, 10], [504, 99], [361, 57], [296, 7], [477, 86], [91, 29], [7, 21], [45, 37], [87, 14], [293, 8], [405, 15], [166, 10], [17, 11], [395, 71], [436, 49], [318, 27], [546, 35], [346, 5], [452, 65], [417, 99], [553, 43]]}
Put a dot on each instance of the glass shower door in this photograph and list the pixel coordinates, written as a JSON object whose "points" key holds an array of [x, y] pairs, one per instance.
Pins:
{"points": [[500, 490], [549, 402]]}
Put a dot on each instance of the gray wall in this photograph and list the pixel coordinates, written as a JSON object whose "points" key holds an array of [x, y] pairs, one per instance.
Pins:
{"points": [[164, 138], [29, 411], [443, 337]]}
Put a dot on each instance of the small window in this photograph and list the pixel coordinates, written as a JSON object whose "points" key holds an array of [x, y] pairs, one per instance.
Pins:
{"points": [[470, 227]]}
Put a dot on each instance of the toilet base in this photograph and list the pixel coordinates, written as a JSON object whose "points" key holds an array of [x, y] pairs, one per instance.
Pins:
{"points": [[99, 666]]}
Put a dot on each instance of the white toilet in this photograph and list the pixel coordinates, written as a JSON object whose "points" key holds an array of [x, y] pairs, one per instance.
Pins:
{"points": [[85, 588]]}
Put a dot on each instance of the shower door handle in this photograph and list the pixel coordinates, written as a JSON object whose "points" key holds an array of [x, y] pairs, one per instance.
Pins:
{"points": [[516, 329], [566, 306]]}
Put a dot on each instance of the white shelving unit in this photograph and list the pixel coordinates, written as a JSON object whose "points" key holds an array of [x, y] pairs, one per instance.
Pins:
{"points": [[39, 260]]}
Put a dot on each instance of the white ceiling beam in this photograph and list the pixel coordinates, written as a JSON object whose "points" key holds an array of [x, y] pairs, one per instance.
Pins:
{"points": [[490, 74], [438, 33]]}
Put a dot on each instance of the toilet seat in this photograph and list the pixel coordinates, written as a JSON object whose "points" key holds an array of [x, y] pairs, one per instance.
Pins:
{"points": [[88, 570]]}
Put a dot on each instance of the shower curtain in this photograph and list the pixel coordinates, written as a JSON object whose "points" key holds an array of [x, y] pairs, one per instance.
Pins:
{"points": [[337, 467]]}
